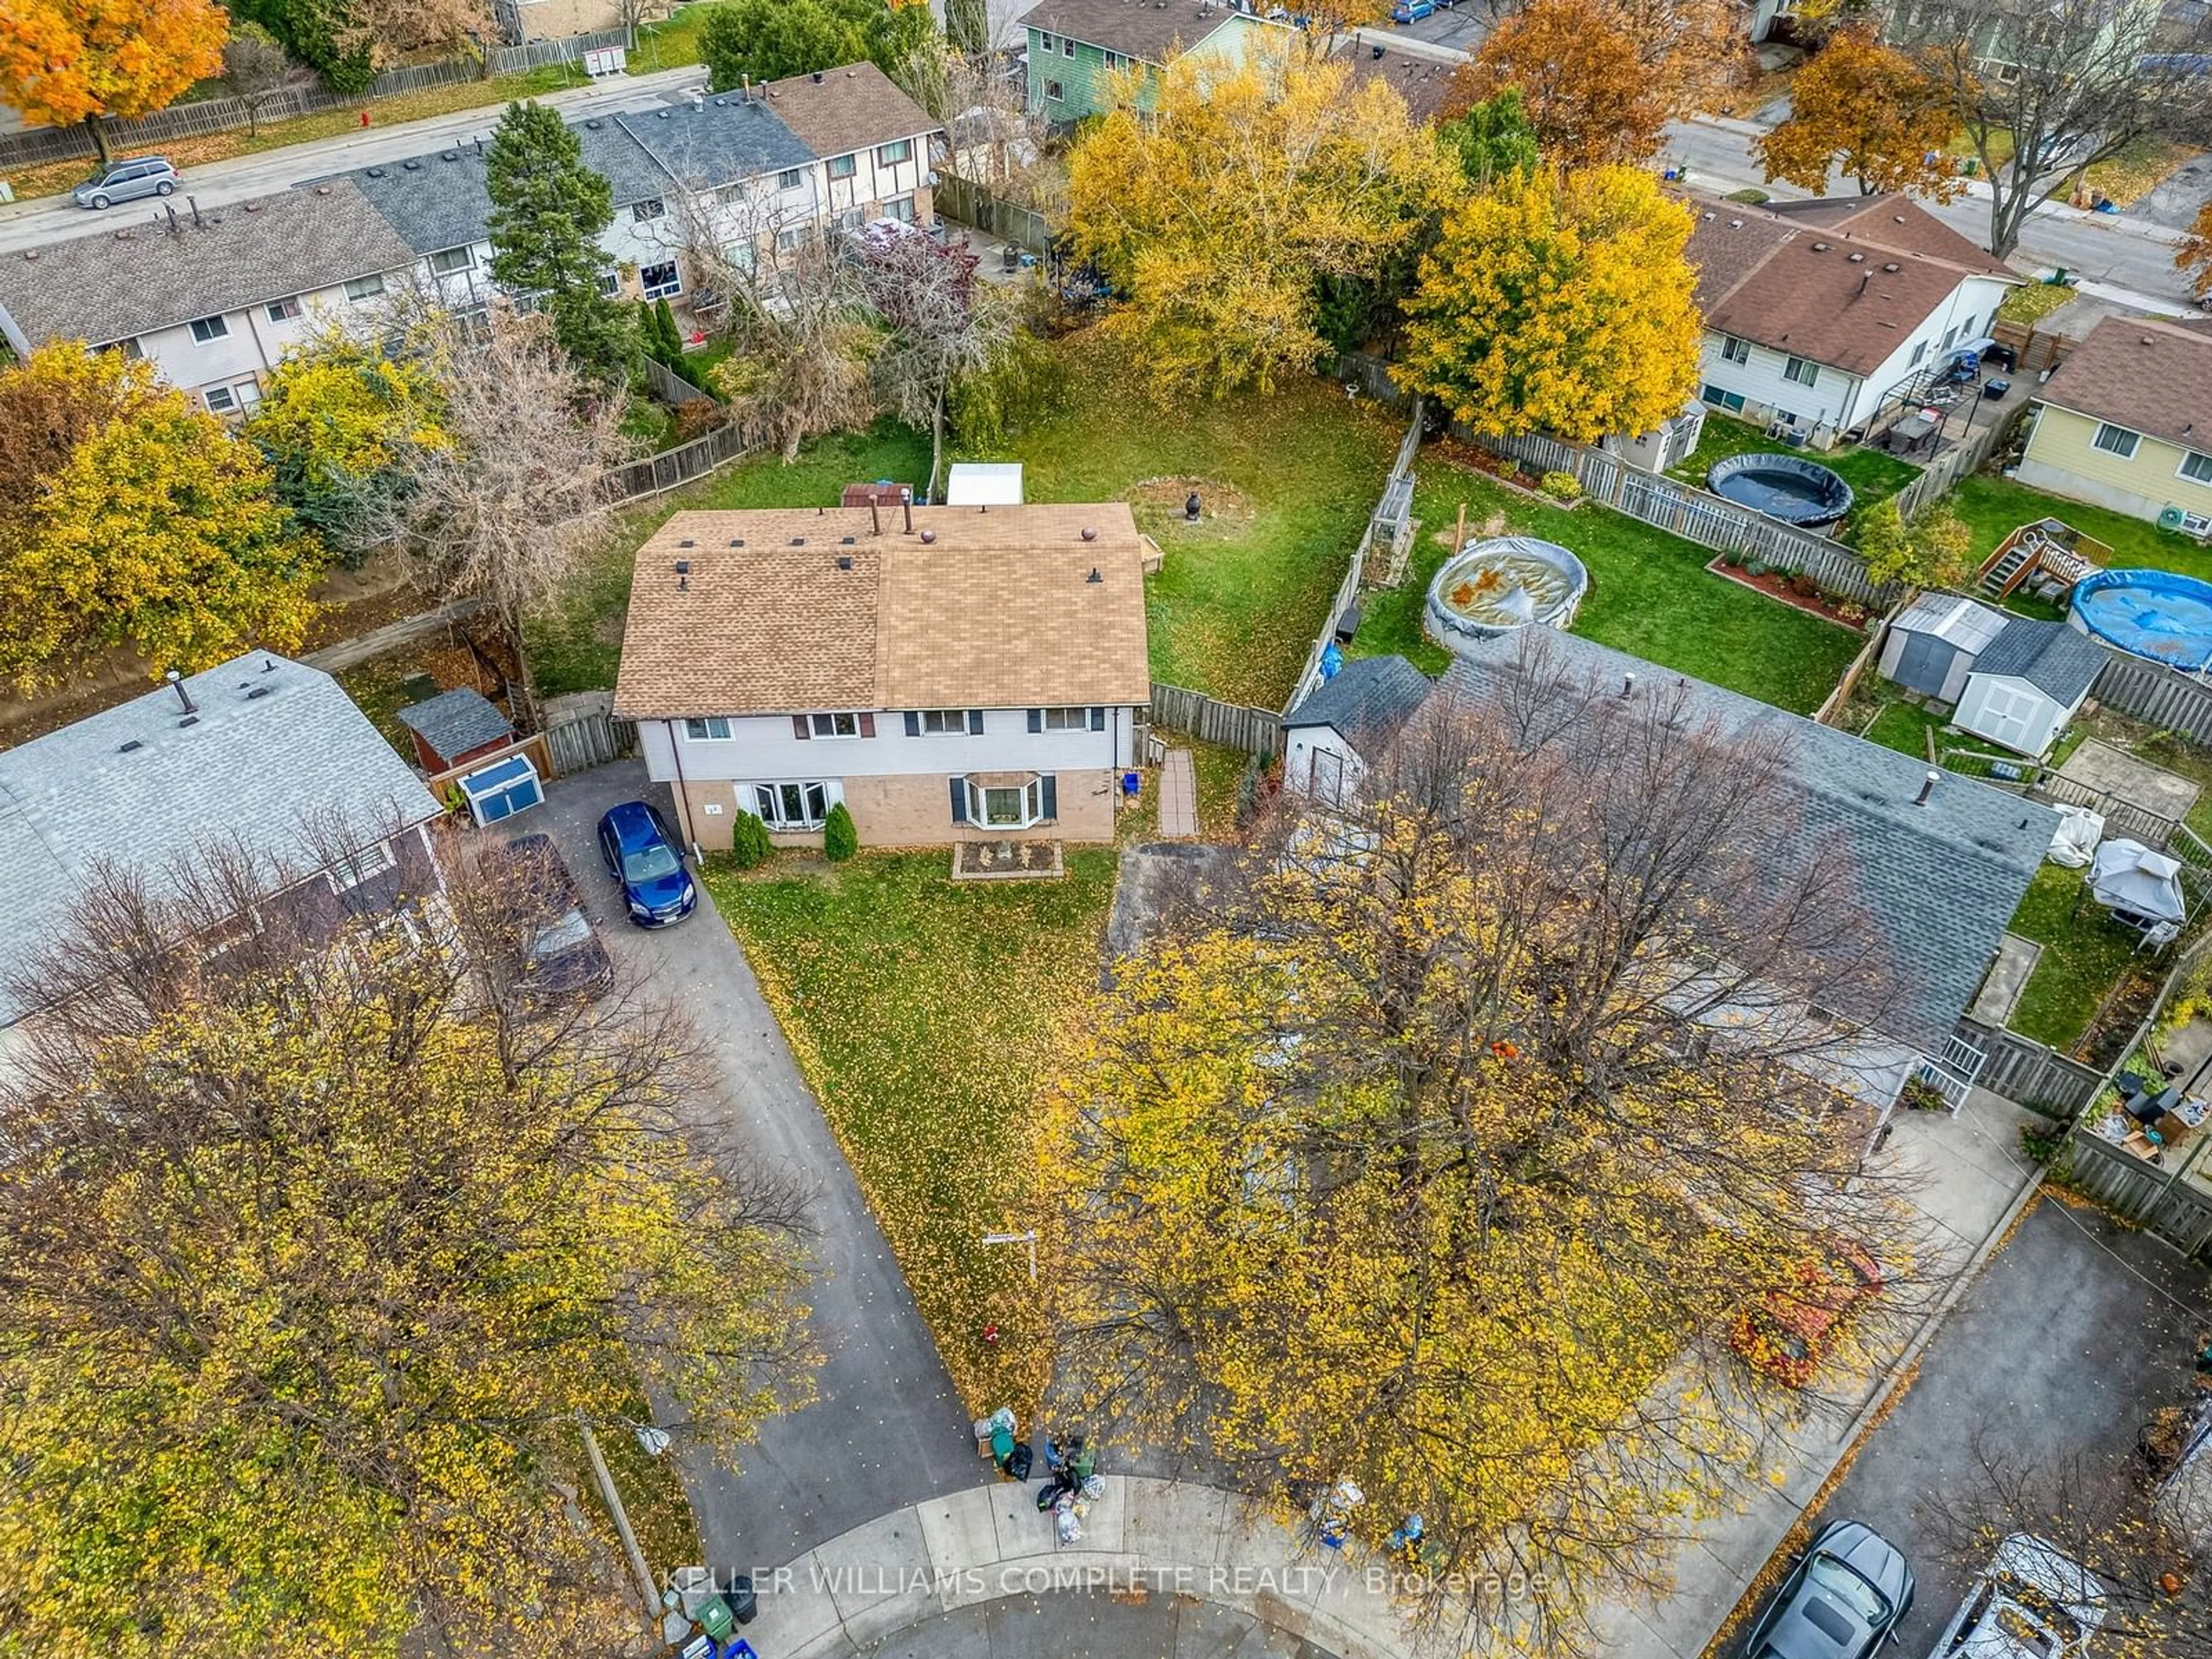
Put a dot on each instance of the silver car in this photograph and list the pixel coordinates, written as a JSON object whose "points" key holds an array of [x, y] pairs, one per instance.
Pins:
{"points": [[126, 180]]}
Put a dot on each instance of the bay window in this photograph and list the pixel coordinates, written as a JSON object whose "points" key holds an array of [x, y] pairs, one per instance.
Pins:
{"points": [[792, 805], [1004, 800]]}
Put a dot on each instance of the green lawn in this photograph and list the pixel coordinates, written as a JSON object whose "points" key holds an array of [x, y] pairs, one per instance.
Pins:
{"points": [[1994, 508], [2032, 303], [1872, 475], [673, 44], [2083, 957], [1903, 726], [929, 1016], [1649, 595]]}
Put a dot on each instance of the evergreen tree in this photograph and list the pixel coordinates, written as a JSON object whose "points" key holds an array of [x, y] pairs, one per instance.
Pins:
{"points": [[548, 210]]}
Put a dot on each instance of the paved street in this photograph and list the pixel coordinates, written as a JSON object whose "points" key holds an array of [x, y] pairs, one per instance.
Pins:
{"points": [[1084, 1625], [2067, 1342], [55, 218], [887, 1430]]}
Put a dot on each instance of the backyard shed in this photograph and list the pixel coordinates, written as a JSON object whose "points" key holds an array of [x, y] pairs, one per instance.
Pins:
{"points": [[2028, 682], [1932, 645], [1346, 723], [455, 727]]}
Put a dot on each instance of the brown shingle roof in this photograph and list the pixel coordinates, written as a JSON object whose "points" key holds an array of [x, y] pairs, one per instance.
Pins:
{"points": [[1137, 28], [2150, 377], [1842, 283], [1421, 81], [998, 612], [842, 110]]}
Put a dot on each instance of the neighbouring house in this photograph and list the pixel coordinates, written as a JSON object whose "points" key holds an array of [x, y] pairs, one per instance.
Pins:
{"points": [[1818, 313], [1940, 861], [950, 674], [2116, 424], [1336, 731], [1422, 74], [1076, 46], [263, 755], [2028, 683], [213, 296]]}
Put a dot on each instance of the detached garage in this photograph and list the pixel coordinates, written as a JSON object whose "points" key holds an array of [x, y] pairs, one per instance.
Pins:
{"points": [[2028, 682], [1933, 644]]}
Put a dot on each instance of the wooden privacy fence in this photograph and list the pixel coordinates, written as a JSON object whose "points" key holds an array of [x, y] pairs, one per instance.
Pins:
{"points": [[1946, 469], [968, 203], [681, 464], [1694, 514], [2158, 696], [2029, 1074], [582, 738], [2159, 1201], [1255, 731], [670, 387]]}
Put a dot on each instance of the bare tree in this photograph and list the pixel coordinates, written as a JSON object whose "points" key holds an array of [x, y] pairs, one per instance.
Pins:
{"points": [[257, 69], [506, 510], [996, 141], [942, 322], [2046, 91]]}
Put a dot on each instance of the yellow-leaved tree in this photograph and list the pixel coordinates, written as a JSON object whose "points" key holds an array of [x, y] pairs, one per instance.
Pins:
{"points": [[138, 520], [1216, 212], [1563, 306], [1438, 1148]]}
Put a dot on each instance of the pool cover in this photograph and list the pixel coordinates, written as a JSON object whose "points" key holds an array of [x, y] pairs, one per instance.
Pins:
{"points": [[2152, 613]]}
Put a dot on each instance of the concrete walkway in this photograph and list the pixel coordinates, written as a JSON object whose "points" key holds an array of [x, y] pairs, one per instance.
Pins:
{"points": [[1178, 797], [1145, 1540]]}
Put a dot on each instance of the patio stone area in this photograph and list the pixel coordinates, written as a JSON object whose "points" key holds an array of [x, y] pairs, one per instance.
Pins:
{"points": [[2098, 765]]}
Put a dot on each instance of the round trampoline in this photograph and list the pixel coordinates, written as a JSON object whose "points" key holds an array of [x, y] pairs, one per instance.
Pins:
{"points": [[2153, 613], [1492, 587], [1785, 487]]}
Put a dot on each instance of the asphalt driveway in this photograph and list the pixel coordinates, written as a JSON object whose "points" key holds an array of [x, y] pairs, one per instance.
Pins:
{"points": [[2074, 1334], [888, 1430]]}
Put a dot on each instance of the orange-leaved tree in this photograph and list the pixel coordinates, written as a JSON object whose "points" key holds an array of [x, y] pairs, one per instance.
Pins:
{"points": [[1560, 305], [1877, 113], [66, 61], [2194, 255]]}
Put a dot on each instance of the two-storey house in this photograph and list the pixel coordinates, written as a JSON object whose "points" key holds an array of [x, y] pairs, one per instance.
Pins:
{"points": [[1077, 47], [947, 673], [1819, 311], [2126, 422], [214, 296]]}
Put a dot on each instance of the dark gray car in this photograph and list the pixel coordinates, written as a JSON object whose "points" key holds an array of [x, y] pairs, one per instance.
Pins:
{"points": [[126, 180], [1849, 1590]]}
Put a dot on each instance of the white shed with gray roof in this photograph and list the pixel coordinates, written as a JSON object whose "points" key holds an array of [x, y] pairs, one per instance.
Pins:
{"points": [[1932, 644], [2028, 682]]}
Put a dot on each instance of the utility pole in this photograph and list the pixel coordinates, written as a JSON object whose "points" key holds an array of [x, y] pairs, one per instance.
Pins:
{"points": [[612, 1499]]}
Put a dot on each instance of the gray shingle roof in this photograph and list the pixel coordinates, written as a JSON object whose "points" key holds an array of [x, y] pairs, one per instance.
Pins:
{"points": [[1941, 881], [246, 770], [718, 142], [139, 275], [1365, 703], [453, 722], [2048, 655], [436, 201], [1964, 622]]}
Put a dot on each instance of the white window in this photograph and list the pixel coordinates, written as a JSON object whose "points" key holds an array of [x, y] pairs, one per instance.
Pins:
{"points": [[1731, 401], [610, 284], [834, 725], [1734, 350], [447, 260], [787, 239], [211, 328], [715, 728], [744, 257], [1920, 351], [648, 210], [132, 350], [2196, 467], [1044, 41], [943, 722], [285, 310], [849, 219], [369, 861], [899, 208], [2115, 439], [890, 155], [248, 394], [1800, 372], [1051, 91], [660, 281], [364, 287], [219, 400], [1067, 47], [1067, 720], [1006, 806], [843, 167], [792, 805], [789, 179], [1117, 60]]}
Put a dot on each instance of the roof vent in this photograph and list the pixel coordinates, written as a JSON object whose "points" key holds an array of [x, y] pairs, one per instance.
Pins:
{"points": [[130, 747], [845, 561], [1819, 247], [595, 123], [376, 173], [253, 207], [1857, 258], [1891, 266], [718, 102], [662, 113], [259, 691], [189, 719], [687, 542], [449, 155], [322, 190], [1089, 532], [2146, 340], [1094, 576], [928, 537], [818, 77], [736, 540], [1927, 787], [684, 566], [847, 541], [30, 253], [799, 541], [413, 166]]}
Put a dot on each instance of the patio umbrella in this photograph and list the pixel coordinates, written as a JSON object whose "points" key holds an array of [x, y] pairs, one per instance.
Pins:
{"points": [[2127, 875]]}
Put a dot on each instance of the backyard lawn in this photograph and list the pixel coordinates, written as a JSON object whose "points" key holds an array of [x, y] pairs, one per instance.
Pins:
{"points": [[1994, 508], [1649, 595], [2083, 957], [1872, 475], [928, 1016]]}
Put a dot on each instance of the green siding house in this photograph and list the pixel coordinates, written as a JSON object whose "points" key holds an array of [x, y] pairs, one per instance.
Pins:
{"points": [[1076, 46]]}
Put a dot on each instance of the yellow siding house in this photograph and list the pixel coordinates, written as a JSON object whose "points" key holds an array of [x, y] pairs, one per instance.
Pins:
{"points": [[2126, 423]]}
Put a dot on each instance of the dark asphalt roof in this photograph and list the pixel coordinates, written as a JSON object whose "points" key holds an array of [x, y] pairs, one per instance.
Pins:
{"points": [[436, 201], [1148, 32], [1365, 703], [718, 142], [453, 722], [2050, 656], [1941, 881]]}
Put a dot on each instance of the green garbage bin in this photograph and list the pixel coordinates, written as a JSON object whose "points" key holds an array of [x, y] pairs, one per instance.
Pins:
{"points": [[714, 1617]]}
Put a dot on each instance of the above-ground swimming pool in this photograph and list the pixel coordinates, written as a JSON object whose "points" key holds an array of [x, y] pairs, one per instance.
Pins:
{"points": [[1785, 487], [2153, 613], [1489, 588]]}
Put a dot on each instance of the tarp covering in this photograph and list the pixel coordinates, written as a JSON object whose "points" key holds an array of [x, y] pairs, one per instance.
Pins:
{"points": [[2126, 875], [2153, 613], [2079, 831]]}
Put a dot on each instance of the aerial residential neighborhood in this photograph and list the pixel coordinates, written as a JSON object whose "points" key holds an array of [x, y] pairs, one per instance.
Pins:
{"points": [[850, 828]]}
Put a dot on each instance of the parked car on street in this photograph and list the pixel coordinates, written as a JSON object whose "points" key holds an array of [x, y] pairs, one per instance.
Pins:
{"points": [[647, 861], [2032, 1601], [1786, 1334], [1412, 11], [127, 180], [1846, 1594], [562, 958]]}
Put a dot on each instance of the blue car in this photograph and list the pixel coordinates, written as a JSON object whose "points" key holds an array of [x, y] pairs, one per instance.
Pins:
{"points": [[647, 862], [1412, 11]]}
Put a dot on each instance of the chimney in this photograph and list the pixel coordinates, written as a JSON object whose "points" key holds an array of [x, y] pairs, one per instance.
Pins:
{"points": [[177, 684], [906, 499], [1628, 686], [1927, 787], [875, 515], [193, 202]]}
